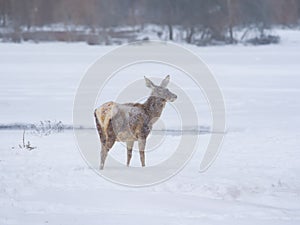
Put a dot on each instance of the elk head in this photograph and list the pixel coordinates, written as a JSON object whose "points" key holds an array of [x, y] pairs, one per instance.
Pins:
{"points": [[161, 90]]}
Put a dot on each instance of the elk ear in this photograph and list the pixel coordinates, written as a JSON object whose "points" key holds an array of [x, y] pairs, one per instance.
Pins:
{"points": [[165, 81], [149, 83]]}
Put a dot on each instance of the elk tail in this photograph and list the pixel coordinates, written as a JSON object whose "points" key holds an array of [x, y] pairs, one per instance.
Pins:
{"points": [[97, 123]]}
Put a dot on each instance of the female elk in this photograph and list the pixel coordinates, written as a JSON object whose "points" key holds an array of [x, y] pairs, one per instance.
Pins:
{"points": [[131, 122]]}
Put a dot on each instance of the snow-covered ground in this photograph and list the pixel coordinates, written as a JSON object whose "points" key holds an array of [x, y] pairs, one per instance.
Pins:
{"points": [[255, 179]]}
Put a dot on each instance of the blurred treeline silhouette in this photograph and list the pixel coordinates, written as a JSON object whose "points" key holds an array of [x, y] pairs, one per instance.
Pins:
{"points": [[187, 20]]}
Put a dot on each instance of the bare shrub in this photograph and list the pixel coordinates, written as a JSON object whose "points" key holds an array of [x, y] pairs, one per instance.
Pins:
{"points": [[47, 127]]}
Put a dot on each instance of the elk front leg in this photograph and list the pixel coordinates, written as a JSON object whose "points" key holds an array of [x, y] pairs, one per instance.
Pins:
{"points": [[129, 151], [142, 144]]}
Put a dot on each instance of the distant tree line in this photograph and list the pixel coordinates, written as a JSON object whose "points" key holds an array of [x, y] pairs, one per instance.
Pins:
{"points": [[197, 19]]}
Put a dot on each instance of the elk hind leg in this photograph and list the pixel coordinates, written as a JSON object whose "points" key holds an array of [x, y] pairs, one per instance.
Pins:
{"points": [[103, 155], [107, 143]]}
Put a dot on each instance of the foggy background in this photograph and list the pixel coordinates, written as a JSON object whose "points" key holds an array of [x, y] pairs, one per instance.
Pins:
{"points": [[200, 22]]}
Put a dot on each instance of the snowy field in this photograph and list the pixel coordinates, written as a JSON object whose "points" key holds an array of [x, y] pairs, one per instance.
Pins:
{"points": [[255, 179]]}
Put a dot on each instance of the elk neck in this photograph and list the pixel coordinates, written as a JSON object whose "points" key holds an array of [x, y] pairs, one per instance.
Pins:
{"points": [[154, 106]]}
